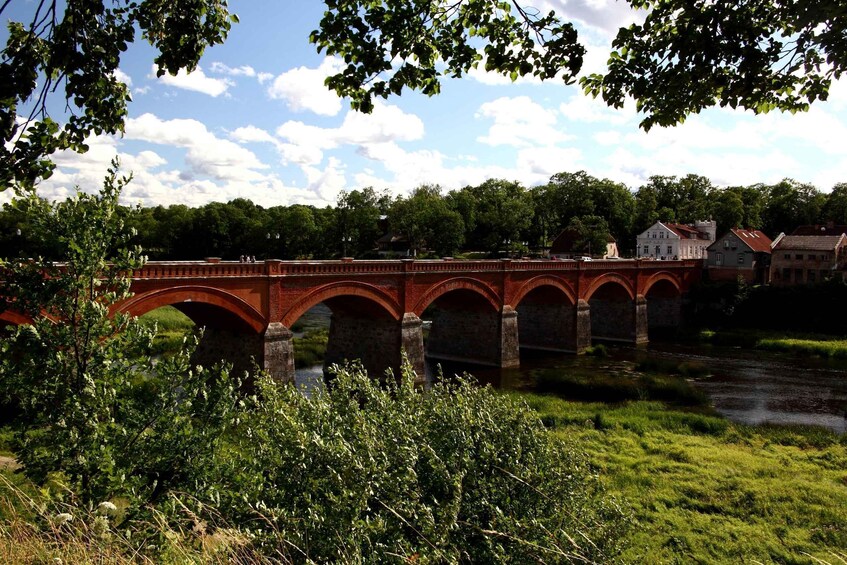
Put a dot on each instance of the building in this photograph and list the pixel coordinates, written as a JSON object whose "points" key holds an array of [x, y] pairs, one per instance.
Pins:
{"points": [[808, 259], [667, 241], [393, 245], [563, 246], [740, 253]]}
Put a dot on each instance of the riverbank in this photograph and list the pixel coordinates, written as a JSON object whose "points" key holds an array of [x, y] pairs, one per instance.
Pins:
{"points": [[820, 345], [705, 490], [702, 489]]}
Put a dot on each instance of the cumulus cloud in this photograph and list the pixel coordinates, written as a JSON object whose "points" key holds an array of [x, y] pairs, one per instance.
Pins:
{"points": [[206, 154], [123, 77], [520, 122], [196, 81], [303, 88], [221, 69], [387, 123]]}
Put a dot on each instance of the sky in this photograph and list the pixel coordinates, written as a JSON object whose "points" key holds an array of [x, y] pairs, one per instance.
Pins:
{"points": [[255, 121]]}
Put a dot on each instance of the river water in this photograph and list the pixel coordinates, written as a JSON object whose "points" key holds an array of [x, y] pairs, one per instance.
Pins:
{"points": [[744, 385]]}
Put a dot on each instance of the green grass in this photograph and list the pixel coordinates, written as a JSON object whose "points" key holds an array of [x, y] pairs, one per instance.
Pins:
{"points": [[705, 490], [799, 343], [836, 349], [651, 380], [310, 349], [167, 319], [172, 326]]}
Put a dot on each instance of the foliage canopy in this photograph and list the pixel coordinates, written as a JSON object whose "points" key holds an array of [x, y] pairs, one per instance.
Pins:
{"points": [[685, 56]]}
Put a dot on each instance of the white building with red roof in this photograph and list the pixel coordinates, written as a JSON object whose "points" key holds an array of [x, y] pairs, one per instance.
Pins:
{"points": [[668, 241]]}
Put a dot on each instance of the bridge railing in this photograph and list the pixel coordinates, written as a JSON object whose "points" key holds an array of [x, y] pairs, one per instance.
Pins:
{"points": [[190, 269]]}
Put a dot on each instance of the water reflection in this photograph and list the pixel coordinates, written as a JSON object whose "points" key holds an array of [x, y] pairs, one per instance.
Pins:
{"points": [[746, 386]]}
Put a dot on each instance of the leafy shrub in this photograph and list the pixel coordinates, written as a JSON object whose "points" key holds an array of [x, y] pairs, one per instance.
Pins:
{"points": [[369, 472]]}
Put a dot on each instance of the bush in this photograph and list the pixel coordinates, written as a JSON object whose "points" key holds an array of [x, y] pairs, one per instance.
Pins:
{"points": [[366, 472]]}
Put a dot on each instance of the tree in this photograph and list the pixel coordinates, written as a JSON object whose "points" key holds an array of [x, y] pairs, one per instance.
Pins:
{"points": [[728, 210], [427, 221], [686, 56], [835, 209], [389, 46], [502, 212], [77, 46], [790, 204], [592, 235], [358, 215], [757, 55], [92, 403]]}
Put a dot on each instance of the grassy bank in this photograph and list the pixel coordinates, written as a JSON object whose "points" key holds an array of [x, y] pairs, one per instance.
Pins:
{"points": [[705, 490], [172, 327], [800, 343]]}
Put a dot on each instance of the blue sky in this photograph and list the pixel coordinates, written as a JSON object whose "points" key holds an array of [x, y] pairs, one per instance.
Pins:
{"points": [[255, 121]]}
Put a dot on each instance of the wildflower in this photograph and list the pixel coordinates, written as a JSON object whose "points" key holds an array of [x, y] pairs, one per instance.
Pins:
{"points": [[106, 508], [63, 518]]}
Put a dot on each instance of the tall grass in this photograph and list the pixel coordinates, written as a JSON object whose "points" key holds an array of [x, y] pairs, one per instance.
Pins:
{"points": [[40, 528]]}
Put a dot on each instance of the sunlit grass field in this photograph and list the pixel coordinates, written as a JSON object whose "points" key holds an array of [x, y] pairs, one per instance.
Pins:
{"points": [[705, 490]]}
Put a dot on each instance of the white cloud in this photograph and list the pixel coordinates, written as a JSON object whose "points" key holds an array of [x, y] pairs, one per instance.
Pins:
{"points": [[303, 88], [206, 154], [123, 77], [221, 69], [387, 123], [196, 81], [519, 122], [603, 16]]}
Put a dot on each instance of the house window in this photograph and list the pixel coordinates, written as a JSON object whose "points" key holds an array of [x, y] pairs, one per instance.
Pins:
{"points": [[740, 259], [810, 276], [798, 275], [670, 249], [661, 235], [786, 275], [726, 244], [798, 256], [824, 257], [787, 256], [718, 259], [646, 250], [658, 251]]}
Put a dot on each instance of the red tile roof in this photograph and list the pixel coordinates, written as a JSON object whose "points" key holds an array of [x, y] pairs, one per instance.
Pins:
{"points": [[754, 239], [685, 232]]}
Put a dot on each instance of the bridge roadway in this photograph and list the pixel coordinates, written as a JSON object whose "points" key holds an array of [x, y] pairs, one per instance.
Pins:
{"points": [[481, 311]]}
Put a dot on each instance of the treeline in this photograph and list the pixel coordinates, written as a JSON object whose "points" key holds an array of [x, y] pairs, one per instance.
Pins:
{"points": [[491, 218]]}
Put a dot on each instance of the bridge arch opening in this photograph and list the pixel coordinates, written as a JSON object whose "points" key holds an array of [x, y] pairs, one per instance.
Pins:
{"points": [[613, 313], [664, 307], [354, 323], [548, 320], [463, 325], [233, 332]]}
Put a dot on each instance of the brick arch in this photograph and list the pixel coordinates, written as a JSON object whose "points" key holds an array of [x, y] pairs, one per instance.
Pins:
{"points": [[661, 276], [544, 280], [145, 302], [325, 292], [459, 283], [610, 278]]}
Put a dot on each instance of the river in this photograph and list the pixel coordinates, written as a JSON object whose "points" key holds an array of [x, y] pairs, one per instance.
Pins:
{"points": [[744, 385]]}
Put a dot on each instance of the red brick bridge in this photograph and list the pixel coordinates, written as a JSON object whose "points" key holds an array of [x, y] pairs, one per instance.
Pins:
{"points": [[481, 311]]}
